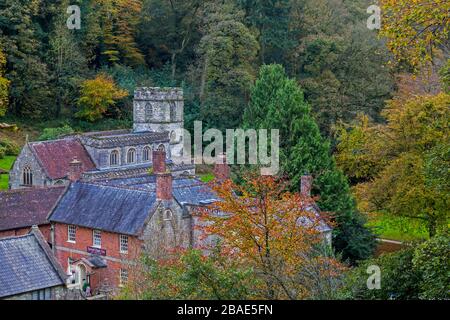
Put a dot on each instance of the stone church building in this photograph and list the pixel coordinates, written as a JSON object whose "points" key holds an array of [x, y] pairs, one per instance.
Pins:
{"points": [[158, 120]]}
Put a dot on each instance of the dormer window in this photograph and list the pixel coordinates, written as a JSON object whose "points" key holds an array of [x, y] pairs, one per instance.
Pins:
{"points": [[27, 176], [147, 154], [114, 158], [131, 156]]}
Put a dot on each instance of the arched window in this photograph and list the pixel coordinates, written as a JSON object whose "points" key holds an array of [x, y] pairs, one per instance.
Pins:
{"points": [[161, 148], [168, 215], [27, 176], [131, 156], [114, 158], [146, 154]]}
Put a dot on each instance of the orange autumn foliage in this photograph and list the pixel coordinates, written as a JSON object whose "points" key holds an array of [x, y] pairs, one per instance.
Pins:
{"points": [[262, 225]]}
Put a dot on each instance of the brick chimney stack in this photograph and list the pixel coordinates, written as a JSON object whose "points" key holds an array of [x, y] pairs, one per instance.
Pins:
{"points": [[75, 170], [221, 168], [163, 176], [306, 185]]}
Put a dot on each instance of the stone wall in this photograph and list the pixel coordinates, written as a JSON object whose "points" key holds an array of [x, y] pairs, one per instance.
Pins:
{"points": [[27, 158], [101, 157], [56, 293]]}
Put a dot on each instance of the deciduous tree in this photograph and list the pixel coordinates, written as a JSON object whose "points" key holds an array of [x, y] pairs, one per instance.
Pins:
{"points": [[97, 95]]}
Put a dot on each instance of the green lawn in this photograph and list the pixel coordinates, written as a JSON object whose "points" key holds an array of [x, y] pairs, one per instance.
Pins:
{"points": [[206, 177], [399, 228], [5, 164]]}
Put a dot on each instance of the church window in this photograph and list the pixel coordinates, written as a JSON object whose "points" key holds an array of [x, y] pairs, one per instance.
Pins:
{"points": [[131, 156], [27, 176], [114, 158], [173, 111], [161, 148], [148, 112], [146, 154]]}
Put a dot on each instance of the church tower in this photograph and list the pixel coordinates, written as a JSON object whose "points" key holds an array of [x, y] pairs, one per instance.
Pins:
{"points": [[160, 110]]}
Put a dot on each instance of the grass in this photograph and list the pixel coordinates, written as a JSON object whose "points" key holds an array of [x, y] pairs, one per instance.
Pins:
{"points": [[3, 182], [207, 177], [5, 164], [398, 228]]}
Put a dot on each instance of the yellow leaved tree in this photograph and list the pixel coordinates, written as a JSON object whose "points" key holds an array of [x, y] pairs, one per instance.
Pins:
{"points": [[97, 95]]}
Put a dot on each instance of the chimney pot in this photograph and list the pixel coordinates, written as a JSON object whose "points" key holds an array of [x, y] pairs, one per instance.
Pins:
{"points": [[221, 168], [75, 170], [159, 161], [164, 186]]}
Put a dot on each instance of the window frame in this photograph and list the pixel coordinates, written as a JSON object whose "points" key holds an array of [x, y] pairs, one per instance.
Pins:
{"points": [[131, 152], [147, 154], [123, 277], [97, 235], [123, 239], [27, 176], [74, 229], [116, 154]]}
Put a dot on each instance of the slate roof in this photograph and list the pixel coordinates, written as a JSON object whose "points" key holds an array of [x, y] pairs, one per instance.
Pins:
{"points": [[112, 139], [55, 156], [129, 172], [26, 207], [185, 190], [27, 264], [105, 208]]}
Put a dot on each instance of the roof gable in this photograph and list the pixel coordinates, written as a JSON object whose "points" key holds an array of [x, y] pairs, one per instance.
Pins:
{"points": [[55, 156]]}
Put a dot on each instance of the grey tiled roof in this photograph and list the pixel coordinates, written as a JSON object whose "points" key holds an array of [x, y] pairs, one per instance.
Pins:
{"points": [[26, 264], [120, 138], [107, 208]]}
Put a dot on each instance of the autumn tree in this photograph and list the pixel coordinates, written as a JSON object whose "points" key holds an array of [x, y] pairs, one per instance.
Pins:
{"points": [[96, 96], [262, 226], [415, 29], [4, 85], [404, 163]]}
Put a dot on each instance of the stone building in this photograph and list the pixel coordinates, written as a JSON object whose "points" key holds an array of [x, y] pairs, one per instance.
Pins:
{"points": [[158, 123]]}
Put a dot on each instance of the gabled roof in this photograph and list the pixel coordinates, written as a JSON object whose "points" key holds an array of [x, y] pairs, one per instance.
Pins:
{"points": [[27, 264], [105, 208], [55, 156], [26, 207]]}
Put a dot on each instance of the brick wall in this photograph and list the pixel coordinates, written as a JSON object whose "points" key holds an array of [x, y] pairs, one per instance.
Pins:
{"points": [[45, 230], [110, 242]]}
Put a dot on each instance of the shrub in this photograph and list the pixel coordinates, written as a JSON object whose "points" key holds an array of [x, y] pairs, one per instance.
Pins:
{"points": [[54, 133], [10, 148]]}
